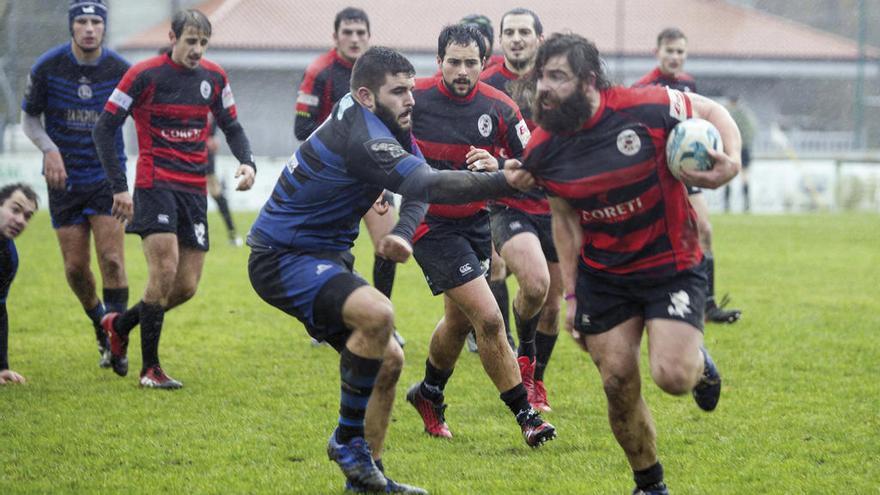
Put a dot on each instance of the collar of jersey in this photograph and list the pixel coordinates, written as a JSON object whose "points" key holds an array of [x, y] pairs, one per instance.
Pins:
{"points": [[458, 99], [339, 58]]}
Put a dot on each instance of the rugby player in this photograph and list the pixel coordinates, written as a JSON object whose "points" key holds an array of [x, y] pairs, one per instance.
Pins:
{"points": [[326, 81], [170, 97], [68, 86], [460, 122], [301, 242], [671, 56], [626, 234], [18, 202], [521, 226]]}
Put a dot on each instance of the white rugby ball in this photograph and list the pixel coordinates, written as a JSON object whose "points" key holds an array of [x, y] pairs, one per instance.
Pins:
{"points": [[687, 145]]}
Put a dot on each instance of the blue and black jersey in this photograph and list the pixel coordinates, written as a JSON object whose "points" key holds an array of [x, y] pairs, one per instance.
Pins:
{"points": [[71, 97], [8, 268], [332, 181]]}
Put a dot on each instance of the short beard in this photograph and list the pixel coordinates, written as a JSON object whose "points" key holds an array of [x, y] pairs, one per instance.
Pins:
{"points": [[519, 65], [390, 120], [568, 116], [88, 50], [451, 88]]}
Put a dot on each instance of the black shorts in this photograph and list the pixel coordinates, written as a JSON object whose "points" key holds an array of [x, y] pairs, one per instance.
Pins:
{"points": [[454, 251], [508, 222], [158, 211], [211, 166], [603, 303], [75, 206], [312, 287]]}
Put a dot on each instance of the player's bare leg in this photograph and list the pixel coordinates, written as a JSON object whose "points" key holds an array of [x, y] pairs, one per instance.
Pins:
{"points": [[110, 248], [75, 243], [186, 282], [382, 400], [616, 355]]}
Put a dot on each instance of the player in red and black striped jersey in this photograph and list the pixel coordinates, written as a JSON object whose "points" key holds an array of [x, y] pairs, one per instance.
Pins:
{"points": [[326, 81], [170, 97], [460, 122], [626, 233], [521, 225], [671, 56]]}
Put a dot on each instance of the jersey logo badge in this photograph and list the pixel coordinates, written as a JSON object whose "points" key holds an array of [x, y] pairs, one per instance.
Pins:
{"points": [[307, 99], [162, 218], [628, 142], [322, 268], [88, 9], [205, 88], [515, 225], [199, 231], [680, 306], [84, 92], [465, 269], [484, 125], [385, 153], [585, 320]]}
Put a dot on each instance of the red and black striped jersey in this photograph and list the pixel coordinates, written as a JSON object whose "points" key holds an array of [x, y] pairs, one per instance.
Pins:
{"points": [[636, 217], [326, 81], [170, 105], [683, 82], [534, 201], [446, 126]]}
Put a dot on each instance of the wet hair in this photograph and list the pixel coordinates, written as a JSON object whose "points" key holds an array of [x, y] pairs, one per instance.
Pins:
{"points": [[582, 56], [351, 14], [375, 65], [484, 25], [536, 22], [670, 34], [192, 18], [9, 189], [460, 34]]}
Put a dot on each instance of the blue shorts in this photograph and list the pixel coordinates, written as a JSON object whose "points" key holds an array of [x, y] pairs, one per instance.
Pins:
{"points": [[73, 207], [312, 287]]}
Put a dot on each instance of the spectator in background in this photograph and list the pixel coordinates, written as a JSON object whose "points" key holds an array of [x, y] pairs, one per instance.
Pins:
{"points": [[745, 120]]}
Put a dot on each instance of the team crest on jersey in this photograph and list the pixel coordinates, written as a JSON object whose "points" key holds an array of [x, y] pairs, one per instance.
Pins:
{"points": [[205, 88], [680, 304], [484, 124], [84, 92], [628, 142]]}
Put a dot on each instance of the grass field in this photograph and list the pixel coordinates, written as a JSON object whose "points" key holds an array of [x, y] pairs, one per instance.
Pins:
{"points": [[800, 410]]}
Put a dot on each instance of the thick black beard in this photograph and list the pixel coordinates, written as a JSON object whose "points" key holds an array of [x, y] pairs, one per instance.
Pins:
{"points": [[569, 116], [452, 89], [390, 120]]}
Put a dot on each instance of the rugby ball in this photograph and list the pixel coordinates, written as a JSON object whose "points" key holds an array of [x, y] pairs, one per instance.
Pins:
{"points": [[688, 144]]}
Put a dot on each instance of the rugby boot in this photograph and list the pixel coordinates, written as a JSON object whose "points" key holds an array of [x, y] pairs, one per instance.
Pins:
{"points": [[535, 430], [117, 343], [708, 390], [653, 489], [356, 462], [432, 413], [717, 313], [527, 372], [154, 377], [541, 403], [390, 487]]}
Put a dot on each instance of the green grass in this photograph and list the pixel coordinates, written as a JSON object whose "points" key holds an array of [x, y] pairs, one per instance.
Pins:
{"points": [[799, 411]]}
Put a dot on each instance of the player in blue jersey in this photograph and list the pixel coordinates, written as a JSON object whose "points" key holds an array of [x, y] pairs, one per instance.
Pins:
{"points": [[18, 202], [301, 259], [68, 86]]}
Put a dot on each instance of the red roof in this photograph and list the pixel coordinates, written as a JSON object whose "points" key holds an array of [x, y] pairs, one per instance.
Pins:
{"points": [[714, 27]]}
